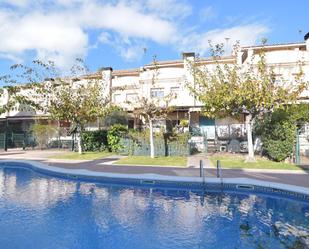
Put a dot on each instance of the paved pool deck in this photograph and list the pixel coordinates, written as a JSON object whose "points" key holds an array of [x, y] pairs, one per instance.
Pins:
{"points": [[293, 177]]}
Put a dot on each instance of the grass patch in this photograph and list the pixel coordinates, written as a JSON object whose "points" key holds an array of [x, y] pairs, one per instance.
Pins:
{"points": [[84, 156], [157, 161], [236, 161]]}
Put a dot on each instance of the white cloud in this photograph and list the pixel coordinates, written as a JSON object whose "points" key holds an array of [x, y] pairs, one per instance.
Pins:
{"points": [[129, 49], [169, 9], [62, 33], [127, 21], [50, 36], [104, 37], [248, 34], [131, 53], [207, 13], [17, 3], [60, 30], [68, 2]]}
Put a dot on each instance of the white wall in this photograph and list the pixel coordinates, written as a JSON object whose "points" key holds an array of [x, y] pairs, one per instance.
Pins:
{"points": [[175, 75]]}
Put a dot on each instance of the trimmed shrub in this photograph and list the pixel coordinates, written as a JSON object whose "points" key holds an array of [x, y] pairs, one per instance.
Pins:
{"points": [[279, 142], [95, 140], [277, 131], [114, 135]]}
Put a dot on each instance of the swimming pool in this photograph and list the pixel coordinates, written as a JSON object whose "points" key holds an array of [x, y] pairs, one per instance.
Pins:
{"points": [[42, 211]]}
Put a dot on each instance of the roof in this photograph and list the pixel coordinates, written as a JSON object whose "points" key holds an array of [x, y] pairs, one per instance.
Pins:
{"points": [[203, 60], [276, 45], [165, 62], [216, 59], [126, 72]]}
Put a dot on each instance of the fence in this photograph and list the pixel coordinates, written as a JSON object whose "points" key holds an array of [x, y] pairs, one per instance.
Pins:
{"points": [[2, 138], [179, 145], [302, 146], [163, 147], [27, 140], [16, 140]]}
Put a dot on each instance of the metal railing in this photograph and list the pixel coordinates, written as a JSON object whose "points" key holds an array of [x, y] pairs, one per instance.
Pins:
{"points": [[219, 173], [202, 171]]}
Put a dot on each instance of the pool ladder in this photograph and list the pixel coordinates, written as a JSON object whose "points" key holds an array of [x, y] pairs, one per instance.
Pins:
{"points": [[202, 174], [219, 173], [202, 171]]}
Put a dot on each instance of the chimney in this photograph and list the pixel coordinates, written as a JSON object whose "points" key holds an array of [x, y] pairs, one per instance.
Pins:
{"points": [[188, 55], [306, 38], [107, 81], [188, 60]]}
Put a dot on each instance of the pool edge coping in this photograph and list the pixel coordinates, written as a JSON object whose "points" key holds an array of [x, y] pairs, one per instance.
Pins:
{"points": [[158, 177]]}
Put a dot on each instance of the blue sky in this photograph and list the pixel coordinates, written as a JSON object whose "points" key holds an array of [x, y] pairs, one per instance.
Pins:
{"points": [[127, 33]]}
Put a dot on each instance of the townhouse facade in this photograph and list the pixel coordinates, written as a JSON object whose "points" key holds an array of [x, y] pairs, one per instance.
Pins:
{"points": [[125, 86]]}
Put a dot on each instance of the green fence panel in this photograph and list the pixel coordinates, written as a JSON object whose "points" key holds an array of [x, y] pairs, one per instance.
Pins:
{"points": [[125, 146], [18, 140], [141, 147], [138, 147], [63, 144], [160, 148], [178, 149], [27, 139], [2, 137]]}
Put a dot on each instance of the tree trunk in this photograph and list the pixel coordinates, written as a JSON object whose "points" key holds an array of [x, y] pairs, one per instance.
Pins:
{"points": [[152, 150], [80, 140], [250, 156], [79, 144]]}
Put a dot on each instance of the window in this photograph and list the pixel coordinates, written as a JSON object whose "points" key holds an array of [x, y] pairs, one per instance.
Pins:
{"points": [[159, 125], [157, 93], [131, 123], [117, 98], [170, 124], [131, 97]]}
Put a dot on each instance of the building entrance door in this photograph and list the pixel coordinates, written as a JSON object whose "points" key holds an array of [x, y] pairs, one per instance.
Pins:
{"points": [[208, 126]]}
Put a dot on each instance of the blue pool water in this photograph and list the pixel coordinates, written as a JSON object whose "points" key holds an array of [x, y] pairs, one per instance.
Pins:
{"points": [[38, 212]]}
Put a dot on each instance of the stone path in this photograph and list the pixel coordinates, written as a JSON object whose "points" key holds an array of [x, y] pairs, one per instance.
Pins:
{"points": [[298, 178], [194, 161]]}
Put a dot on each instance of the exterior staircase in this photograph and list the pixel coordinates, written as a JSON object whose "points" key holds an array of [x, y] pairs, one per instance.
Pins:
{"points": [[211, 146]]}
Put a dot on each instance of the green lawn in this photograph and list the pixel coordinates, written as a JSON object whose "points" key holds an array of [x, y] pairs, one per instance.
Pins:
{"points": [[236, 161], [158, 161], [84, 156]]}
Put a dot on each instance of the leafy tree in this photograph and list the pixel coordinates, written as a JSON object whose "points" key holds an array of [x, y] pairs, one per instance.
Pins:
{"points": [[152, 108], [15, 92], [299, 113], [43, 133], [79, 99], [79, 104], [277, 130], [116, 116], [250, 89], [22, 84]]}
